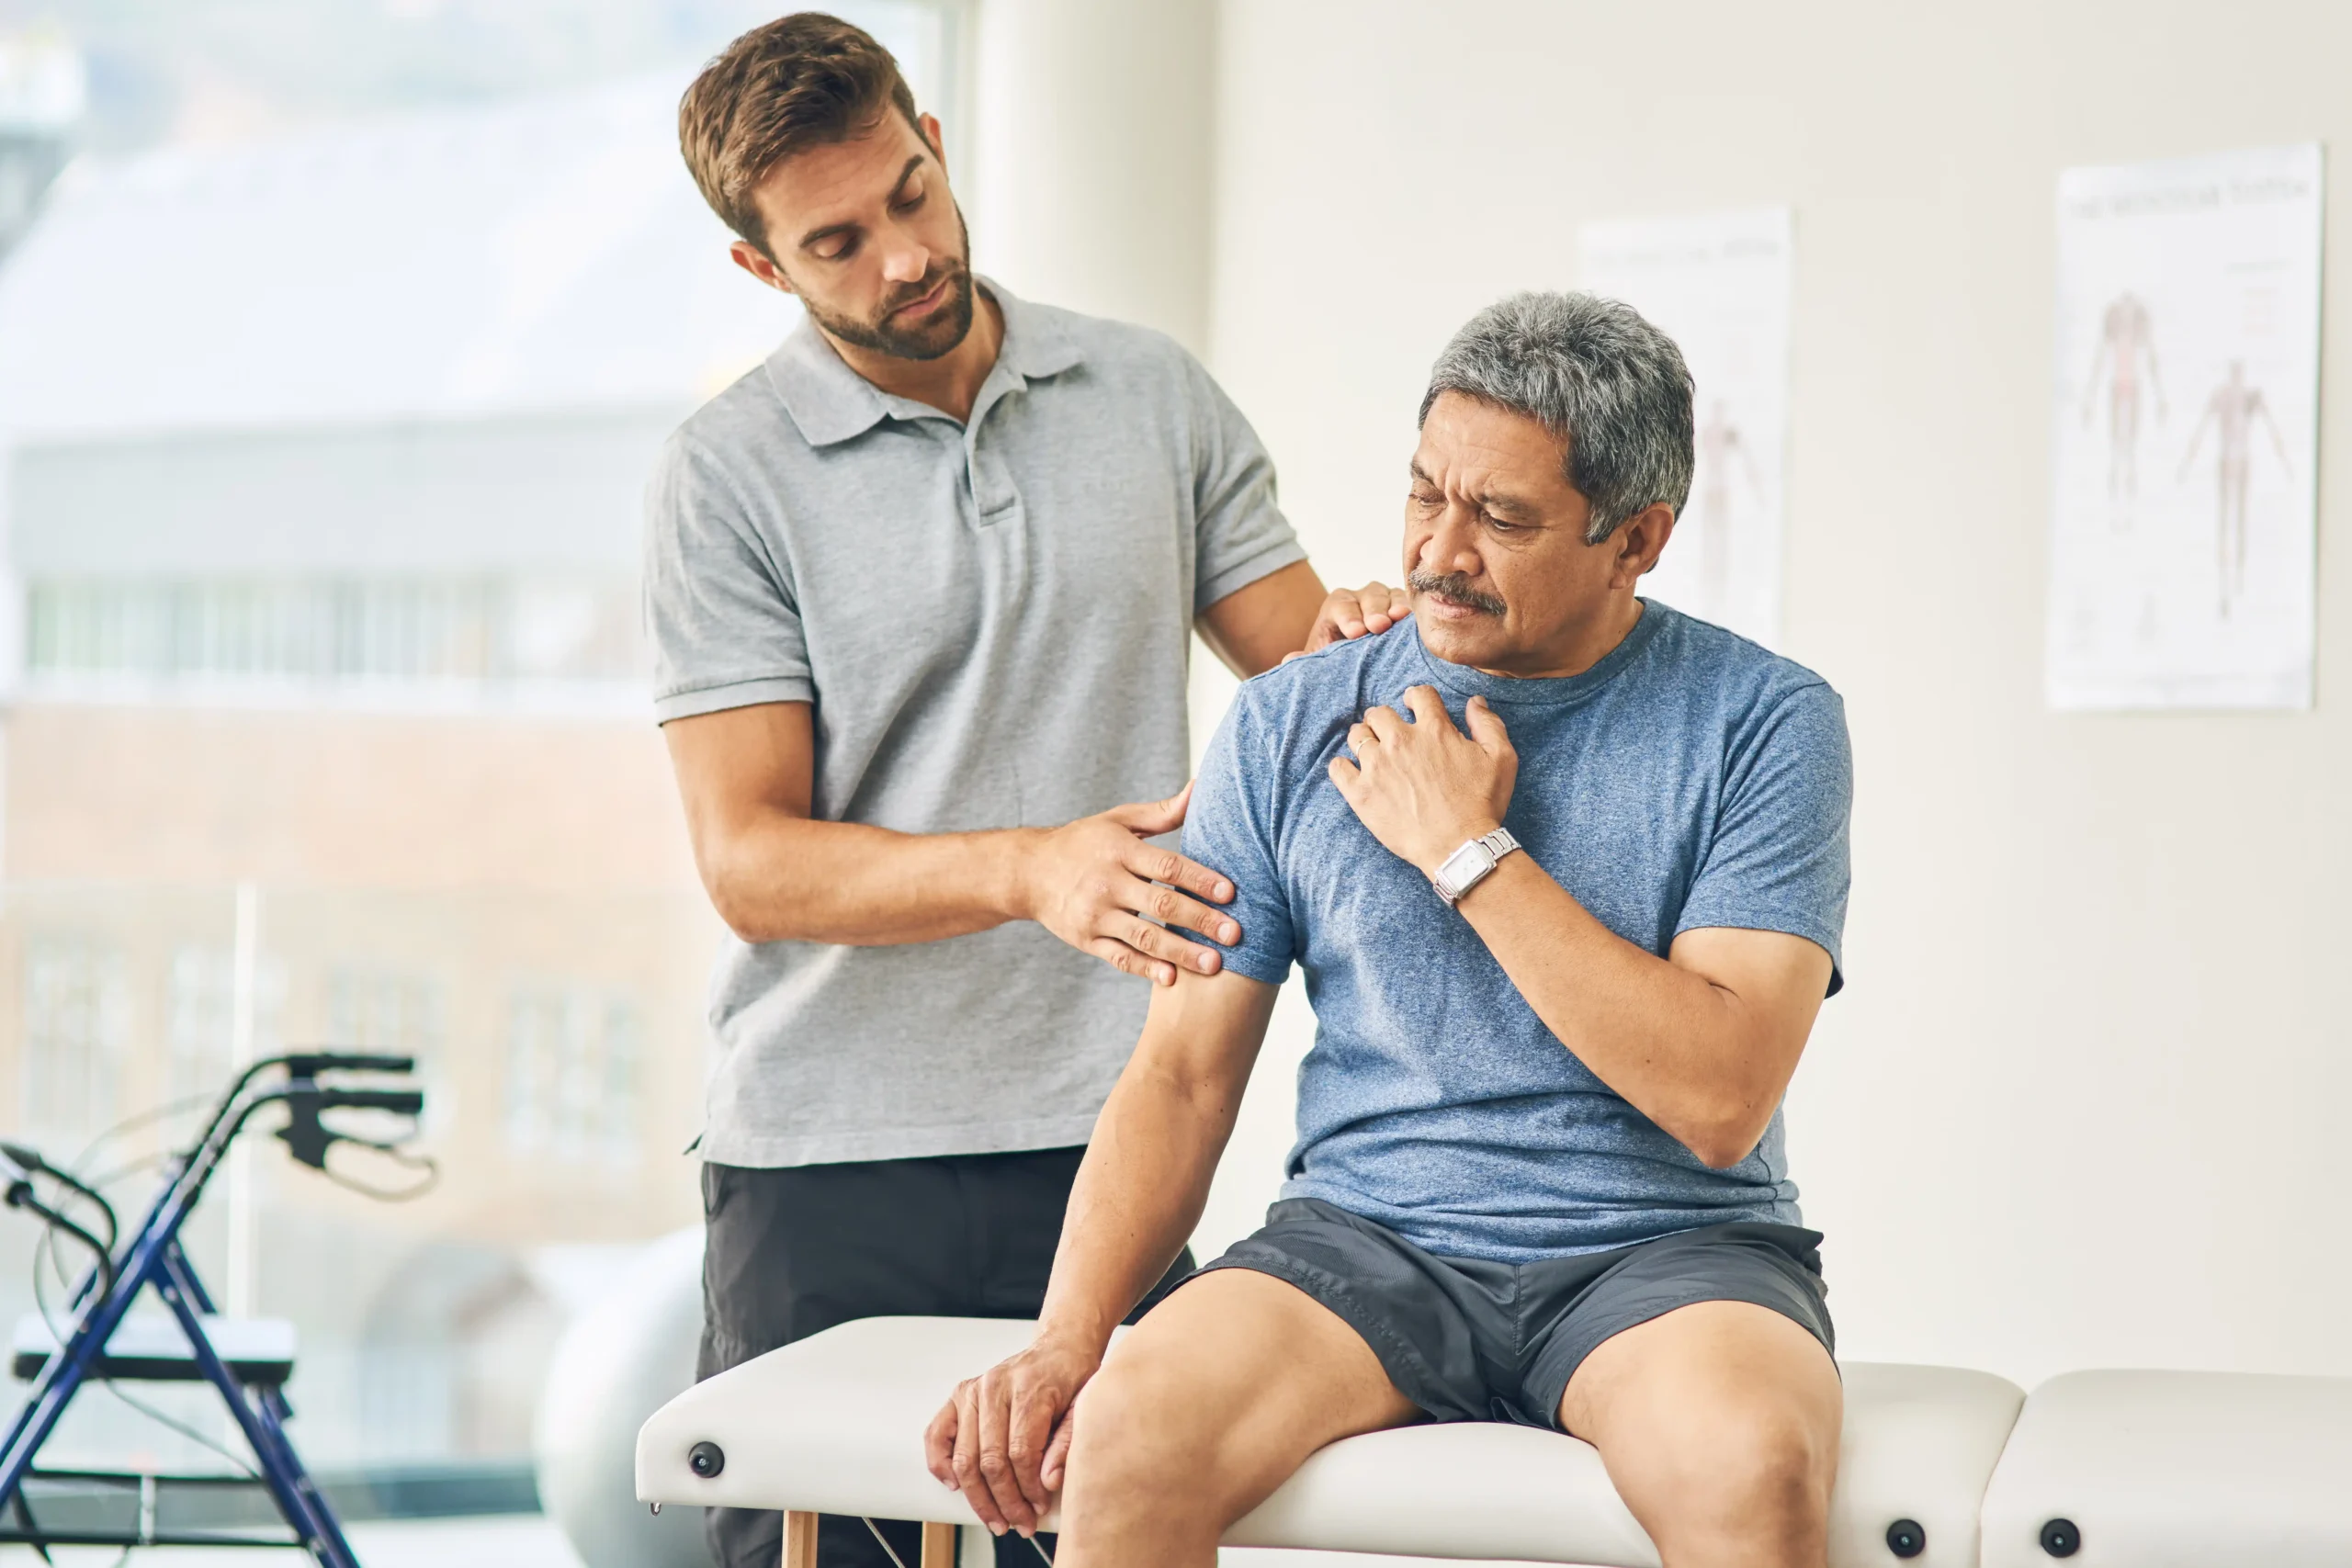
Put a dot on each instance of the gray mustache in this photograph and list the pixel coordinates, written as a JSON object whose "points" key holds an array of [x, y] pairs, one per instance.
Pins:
{"points": [[1454, 588]]}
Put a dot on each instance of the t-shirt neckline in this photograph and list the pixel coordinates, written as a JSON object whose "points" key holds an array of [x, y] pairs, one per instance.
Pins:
{"points": [[1542, 689]]}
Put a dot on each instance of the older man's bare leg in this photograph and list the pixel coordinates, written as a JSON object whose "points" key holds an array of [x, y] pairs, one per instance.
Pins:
{"points": [[1202, 1410], [1719, 1423]]}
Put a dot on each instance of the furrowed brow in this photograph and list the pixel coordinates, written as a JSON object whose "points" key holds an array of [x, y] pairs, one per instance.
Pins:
{"points": [[1503, 505]]}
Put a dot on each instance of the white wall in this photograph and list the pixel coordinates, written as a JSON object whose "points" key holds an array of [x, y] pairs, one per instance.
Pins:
{"points": [[1091, 144], [2082, 1104]]}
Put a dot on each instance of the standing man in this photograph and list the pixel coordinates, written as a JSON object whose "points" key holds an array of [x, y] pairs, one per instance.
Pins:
{"points": [[921, 589]]}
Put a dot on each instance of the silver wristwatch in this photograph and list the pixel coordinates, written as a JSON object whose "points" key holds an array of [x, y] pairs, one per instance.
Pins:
{"points": [[1472, 863]]}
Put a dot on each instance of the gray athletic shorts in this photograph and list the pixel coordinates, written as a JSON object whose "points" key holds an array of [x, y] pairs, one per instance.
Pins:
{"points": [[1469, 1340]]}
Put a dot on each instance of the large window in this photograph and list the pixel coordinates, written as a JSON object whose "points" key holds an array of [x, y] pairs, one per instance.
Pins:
{"points": [[331, 366]]}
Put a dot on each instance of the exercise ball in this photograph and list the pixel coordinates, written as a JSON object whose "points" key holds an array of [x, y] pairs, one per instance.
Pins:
{"points": [[617, 1363]]}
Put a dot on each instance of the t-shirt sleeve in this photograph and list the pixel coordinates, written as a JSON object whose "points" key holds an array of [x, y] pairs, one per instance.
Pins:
{"points": [[1229, 828], [1779, 860], [1239, 533], [721, 616]]}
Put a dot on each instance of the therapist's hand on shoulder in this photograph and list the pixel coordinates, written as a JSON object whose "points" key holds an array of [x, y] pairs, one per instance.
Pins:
{"points": [[1099, 885], [1350, 613]]}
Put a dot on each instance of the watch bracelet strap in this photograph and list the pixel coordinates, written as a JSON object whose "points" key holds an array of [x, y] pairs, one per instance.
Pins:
{"points": [[1497, 844]]}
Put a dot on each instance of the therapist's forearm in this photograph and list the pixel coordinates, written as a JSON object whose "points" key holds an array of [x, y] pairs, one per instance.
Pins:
{"points": [[777, 872], [782, 877], [1253, 627]]}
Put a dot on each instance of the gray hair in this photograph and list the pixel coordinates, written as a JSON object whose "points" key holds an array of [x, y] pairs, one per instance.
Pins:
{"points": [[1595, 374]]}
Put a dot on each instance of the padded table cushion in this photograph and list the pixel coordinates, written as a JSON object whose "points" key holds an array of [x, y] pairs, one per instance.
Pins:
{"points": [[2178, 1470], [834, 1424]]}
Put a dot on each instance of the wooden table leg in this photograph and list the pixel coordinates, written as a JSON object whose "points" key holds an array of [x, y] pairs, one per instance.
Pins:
{"points": [[799, 1541], [939, 1546]]}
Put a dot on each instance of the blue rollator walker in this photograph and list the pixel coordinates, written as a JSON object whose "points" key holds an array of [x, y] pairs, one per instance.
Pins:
{"points": [[152, 1257]]}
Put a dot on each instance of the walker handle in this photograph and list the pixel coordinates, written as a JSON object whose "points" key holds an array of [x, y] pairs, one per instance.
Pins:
{"points": [[311, 1063]]}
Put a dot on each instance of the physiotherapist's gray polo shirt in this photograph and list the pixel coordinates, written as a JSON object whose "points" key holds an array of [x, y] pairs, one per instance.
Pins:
{"points": [[992, 622]]}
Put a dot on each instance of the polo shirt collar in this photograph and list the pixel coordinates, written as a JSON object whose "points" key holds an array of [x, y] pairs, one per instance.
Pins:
{"points": [[831, 402]]}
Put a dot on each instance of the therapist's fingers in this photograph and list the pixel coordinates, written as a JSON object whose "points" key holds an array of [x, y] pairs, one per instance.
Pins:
{"points": [[1150, 894], [1382, 606], [1088, 880], [1157, 941], [1128, 961], [1190, 876], [1350, 613]]}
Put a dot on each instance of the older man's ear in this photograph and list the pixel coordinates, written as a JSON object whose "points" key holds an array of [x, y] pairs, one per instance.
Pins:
{"points": [[1639, 540]]}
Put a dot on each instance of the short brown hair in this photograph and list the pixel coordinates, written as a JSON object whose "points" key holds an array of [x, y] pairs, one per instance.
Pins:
{"points": [[798, 82]]}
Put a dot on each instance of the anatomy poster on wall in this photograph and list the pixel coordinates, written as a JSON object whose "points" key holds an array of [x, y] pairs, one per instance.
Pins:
{"points": [[2187, 457], [1718, 285]]}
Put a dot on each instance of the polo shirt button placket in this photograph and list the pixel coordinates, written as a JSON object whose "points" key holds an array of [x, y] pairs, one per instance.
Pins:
{"points": [[995, 502], [1000, 529]]}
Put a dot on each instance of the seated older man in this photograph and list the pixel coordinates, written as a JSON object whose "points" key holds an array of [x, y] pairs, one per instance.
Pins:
{"points": [[1567, 872]]}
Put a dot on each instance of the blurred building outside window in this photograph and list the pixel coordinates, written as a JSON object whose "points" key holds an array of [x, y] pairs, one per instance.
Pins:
{"points": [[76, 1034], [572, 1070], [200, 1019], [312, 631], [397, 1014]]}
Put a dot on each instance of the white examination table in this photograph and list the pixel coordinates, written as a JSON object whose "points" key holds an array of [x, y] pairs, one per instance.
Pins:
{"points": [[834, 1425], [2176, 1470]]}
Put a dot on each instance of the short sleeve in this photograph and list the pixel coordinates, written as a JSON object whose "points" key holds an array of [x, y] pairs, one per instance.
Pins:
{"points": [[1239, 533], [1229, 828], [723, 621], [1779, 860]]}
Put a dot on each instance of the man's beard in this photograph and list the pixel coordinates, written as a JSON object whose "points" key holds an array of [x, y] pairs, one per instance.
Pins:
{"points": [[939, 333], [1454, 588]]}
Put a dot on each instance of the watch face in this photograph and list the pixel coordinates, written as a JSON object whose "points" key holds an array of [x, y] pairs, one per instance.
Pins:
{"points": [[1464, 864]]}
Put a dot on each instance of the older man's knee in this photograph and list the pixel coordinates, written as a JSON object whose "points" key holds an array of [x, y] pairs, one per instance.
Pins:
{"points": [[1758, 1472], [1138, 1444]]}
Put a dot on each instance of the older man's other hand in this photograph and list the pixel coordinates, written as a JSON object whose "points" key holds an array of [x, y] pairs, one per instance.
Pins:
{"points": [[1424, 789], [1350, 613], [1002, 1438]]}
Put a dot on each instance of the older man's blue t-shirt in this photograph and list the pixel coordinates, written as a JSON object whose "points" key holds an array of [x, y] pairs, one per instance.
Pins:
{"points": [[1689, 779]]}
